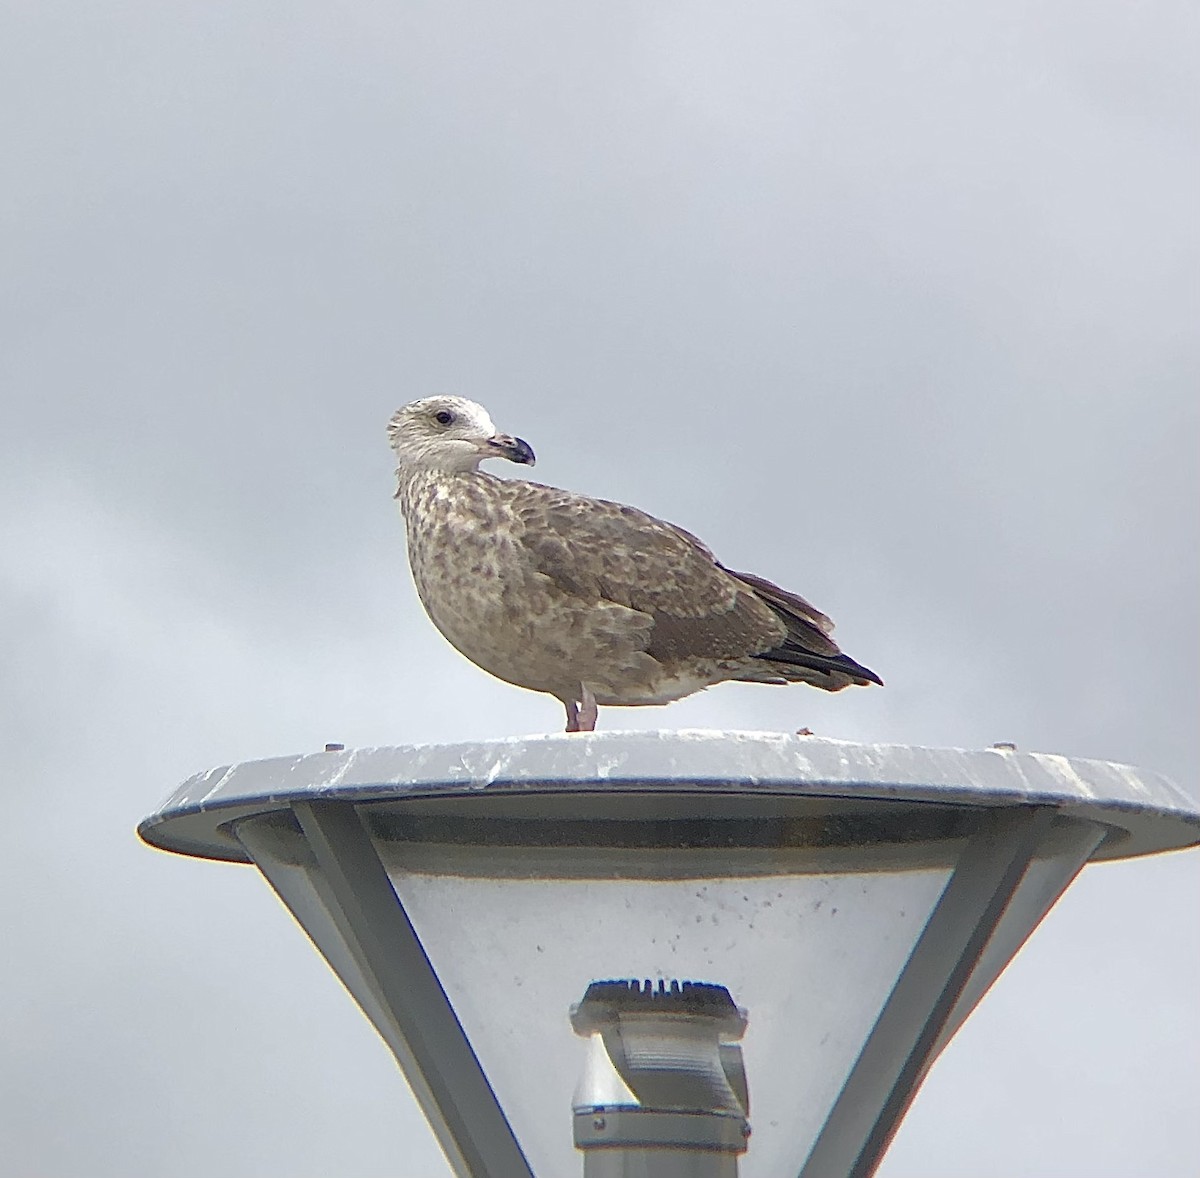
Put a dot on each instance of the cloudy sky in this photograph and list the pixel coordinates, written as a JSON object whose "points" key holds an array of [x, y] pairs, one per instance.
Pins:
{"points": [[894, 304]]}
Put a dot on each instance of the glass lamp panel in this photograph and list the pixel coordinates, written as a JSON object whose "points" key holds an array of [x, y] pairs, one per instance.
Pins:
{"points": [[805, 910], [810, 959]]}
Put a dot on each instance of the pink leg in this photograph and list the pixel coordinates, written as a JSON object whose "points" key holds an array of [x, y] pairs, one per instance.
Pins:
{"points": [[587, 710], [581, 717]]}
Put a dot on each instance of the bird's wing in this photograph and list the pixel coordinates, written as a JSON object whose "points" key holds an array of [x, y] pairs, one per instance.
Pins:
{"points": [[792, 607], [594, 550]]}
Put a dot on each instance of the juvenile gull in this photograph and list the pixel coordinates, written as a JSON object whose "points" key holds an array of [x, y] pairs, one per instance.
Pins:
{"points": [[589, 601]]}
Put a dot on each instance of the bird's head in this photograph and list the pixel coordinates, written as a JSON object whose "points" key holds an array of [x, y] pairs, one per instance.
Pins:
{"points": [[451, 434]]}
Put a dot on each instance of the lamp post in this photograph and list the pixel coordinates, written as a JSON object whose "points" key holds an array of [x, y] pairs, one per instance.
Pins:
{"points": [[678, 927]]}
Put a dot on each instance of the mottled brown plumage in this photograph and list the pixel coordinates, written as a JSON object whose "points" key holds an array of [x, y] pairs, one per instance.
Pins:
{"points": [[589, 601]]}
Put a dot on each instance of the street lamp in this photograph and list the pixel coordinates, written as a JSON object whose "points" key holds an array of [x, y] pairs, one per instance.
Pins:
{"points": [[742, 952]]}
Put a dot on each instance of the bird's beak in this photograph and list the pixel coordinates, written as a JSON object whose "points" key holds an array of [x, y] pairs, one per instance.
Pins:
{"points": [[506, 446]]}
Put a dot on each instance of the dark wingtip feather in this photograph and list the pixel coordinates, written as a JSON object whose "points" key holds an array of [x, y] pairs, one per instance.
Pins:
{"points": [[836, 665], [851, 667]]}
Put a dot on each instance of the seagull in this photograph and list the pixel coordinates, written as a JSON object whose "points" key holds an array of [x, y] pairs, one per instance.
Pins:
{"points": [[586, 600]]}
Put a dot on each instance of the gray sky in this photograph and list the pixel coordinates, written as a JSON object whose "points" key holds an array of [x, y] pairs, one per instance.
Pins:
{"points": [[893, 304]]}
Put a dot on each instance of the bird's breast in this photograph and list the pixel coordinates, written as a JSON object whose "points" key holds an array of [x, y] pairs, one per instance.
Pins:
{"points": [[472, 573]]}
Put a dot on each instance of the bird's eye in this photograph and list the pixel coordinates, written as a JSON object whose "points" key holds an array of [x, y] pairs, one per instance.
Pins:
{"points": [[444, 417]]}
